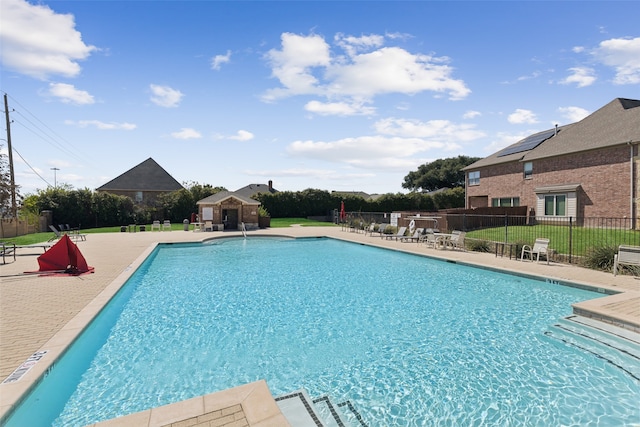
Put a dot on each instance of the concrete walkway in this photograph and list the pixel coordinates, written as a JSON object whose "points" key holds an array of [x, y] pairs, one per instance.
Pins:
{"points": [[40, 312]]}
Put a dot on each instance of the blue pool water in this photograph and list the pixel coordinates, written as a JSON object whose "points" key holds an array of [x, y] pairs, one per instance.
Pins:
{"points": [[408, 340]]}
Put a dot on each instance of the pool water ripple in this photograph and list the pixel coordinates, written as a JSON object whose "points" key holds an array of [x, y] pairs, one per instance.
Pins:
{"points": [[409, 341]]}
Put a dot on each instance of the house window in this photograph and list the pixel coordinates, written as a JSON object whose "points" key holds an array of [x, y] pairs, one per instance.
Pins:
{"points": [[138, 196], [555, 205], [528, 170], [474, 178], [505, 202]]}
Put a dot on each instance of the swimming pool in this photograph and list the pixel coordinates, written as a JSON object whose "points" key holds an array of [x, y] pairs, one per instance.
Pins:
{"points": [[408, 340]]}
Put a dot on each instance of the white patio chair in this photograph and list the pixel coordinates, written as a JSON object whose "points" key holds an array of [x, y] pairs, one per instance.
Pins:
{"points": [[541, 246]]}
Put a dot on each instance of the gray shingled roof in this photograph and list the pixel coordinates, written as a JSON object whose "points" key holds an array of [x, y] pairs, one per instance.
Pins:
{"points": [[147, 176], [616, 123], [253, 189], [224, 195]]}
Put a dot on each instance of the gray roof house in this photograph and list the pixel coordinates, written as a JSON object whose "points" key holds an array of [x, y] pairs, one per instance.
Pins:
{"points": [[143, 183], [251, 190], [585, 169]]}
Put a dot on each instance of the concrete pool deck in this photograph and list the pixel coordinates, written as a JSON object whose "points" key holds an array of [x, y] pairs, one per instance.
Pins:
{"points": [[47, 313]]}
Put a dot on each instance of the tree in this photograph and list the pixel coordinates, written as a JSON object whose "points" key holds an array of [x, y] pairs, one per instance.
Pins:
{"points": [[441, 173]]}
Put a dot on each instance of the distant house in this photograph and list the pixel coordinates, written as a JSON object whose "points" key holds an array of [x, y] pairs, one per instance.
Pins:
{"points": [[589, 168], [252, 189], [143, 183], [362, 194]]}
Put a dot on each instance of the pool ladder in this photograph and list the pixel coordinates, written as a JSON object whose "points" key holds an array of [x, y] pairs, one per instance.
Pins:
{"points": [[244, 230]]}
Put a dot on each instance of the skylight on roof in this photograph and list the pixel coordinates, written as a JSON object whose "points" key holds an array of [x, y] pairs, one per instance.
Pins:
{"points": [[529, 143]]}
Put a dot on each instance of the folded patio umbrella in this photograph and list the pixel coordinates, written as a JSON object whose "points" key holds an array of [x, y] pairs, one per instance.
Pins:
{"points": [[64, 258]]}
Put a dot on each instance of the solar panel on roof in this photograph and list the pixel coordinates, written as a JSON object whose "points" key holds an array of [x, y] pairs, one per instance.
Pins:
{"points": [[529, 143]]}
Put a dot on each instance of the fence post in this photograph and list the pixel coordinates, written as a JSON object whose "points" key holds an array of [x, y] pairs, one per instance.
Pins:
{"points": [[506, 228], [570, 239]]}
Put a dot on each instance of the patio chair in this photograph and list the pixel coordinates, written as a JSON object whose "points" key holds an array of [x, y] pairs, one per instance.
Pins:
{"points": [[156, 225], [398, 235], [370, 229], [430, 240], [541, 246], [381, 228], [457, 240], [166, 225], [208, 226]]}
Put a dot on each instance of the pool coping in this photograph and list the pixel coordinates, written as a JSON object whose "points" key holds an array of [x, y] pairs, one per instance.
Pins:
{"points": [[13, 394]]}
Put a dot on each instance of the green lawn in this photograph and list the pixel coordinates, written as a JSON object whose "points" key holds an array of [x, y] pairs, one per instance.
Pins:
{"points": [[577, 240], [31, 239]]}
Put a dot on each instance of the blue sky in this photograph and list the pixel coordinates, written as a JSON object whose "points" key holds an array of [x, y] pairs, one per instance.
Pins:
{"points": [[346, 96]]}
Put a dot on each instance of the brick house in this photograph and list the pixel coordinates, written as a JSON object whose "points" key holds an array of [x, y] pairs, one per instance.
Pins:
{"points": [[586, 169], [227, 210], [142, 183]]}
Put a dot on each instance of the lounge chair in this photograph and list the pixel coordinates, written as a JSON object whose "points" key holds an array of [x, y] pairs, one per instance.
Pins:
{"points": [[415, 237], [398, 235], [381, 229], [8, 249], [166, 225], [74, 236], [156, 225], [541, 246]]}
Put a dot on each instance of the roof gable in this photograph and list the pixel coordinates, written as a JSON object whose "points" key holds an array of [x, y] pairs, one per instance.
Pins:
{"points": [[147, 176], [223, 196]]}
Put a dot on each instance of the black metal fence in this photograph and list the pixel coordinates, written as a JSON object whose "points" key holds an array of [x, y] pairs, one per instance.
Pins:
{"points": [[570, 238]]}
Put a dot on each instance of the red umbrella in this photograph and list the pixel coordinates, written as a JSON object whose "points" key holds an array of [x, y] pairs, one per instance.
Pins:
{"points": [[343, 214], [64, 257]]}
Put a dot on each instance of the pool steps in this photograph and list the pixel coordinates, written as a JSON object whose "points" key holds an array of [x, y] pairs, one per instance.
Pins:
{"points": [[617, 346], [302, 411]]}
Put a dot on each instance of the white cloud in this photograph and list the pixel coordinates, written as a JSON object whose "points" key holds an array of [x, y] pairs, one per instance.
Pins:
{"points": [[578, 49], [353, 45], [573, 114], [440, 130], [367, 152], [624, 56], [304, 66], [218, 60], [522, 116], [471, 114], [293, 64], [339, 108], [242, 135], [39, 42], [164, 96], [581, 76], [101, 125], [69, 94], [186, 133]]}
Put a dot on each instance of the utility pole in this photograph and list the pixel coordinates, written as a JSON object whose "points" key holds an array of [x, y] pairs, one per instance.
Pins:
{"points": [[14, 209], [55, 181]]}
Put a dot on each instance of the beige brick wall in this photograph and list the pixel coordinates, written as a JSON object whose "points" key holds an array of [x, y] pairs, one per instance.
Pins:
{"points": [[604, 177]]}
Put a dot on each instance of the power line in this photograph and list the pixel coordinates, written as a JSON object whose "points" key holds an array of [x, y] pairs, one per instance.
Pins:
{"points": [[45, 133], [30, 167]]}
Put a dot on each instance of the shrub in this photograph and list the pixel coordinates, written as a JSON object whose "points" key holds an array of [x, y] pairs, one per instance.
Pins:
{"points": [[600, 258], [478, 245]]}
